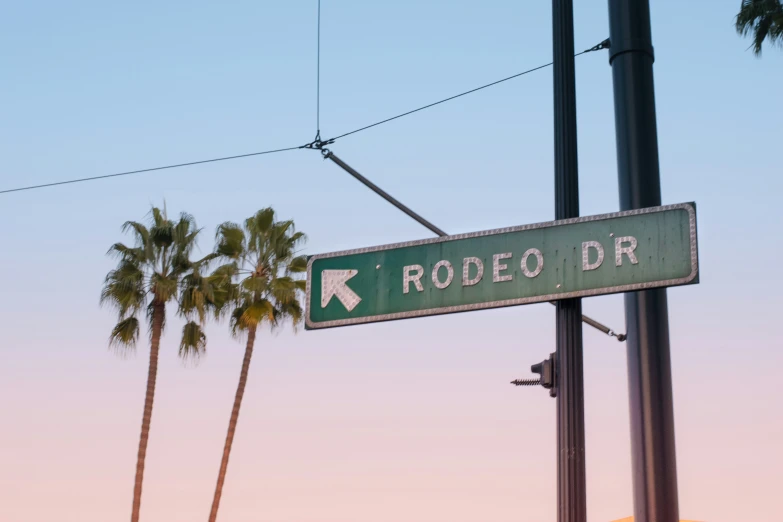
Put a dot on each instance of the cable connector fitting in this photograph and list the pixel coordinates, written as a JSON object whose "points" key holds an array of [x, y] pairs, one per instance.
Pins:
{"points": [[603, 45], [318, 144], [620, 337]]}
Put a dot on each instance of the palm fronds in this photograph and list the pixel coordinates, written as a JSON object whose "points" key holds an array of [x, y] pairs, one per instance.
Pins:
{"points": [[763, 19]]}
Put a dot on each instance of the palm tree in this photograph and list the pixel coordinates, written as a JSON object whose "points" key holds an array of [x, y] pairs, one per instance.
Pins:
{"points": [[147, 277], [764, 18], [256, 288]]}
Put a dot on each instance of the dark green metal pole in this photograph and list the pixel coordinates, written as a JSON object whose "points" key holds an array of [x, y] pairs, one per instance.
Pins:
{"points": [[646, 314], [571, 494]]}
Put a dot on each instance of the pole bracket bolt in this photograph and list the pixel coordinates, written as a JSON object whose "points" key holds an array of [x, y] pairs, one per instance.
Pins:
{"points": [[546, 371]]}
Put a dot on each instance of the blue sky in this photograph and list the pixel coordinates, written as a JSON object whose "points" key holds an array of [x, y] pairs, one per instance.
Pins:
{"points": [[90, 88]]}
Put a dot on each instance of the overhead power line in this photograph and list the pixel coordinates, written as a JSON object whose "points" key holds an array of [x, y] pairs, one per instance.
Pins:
{"points": [[602, 45], [443, 101], [318, 80], [317, 144], [141, 171]]}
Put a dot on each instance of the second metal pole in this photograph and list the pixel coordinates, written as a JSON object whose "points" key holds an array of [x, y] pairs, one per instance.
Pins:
{"points": [[571, 491], [653, 453]]}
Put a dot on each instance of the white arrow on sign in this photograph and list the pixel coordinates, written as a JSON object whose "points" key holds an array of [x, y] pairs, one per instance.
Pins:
{"points": [[333, 284]]}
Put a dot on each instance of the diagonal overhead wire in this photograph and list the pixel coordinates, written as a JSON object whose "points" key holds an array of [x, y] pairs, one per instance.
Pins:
{"points": [[140, 171], [602, 45], [441, 101]]}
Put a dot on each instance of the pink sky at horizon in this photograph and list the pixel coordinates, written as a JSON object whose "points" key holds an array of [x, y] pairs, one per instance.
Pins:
{"points": [[346, 433]]}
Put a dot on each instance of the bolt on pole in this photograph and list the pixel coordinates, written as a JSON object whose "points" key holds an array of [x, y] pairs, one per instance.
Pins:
{"points": [[571, 488], [649, 365]]}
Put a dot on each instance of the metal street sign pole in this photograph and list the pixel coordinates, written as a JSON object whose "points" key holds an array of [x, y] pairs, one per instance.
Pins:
{"points": [[569, 381], [649, 364]]}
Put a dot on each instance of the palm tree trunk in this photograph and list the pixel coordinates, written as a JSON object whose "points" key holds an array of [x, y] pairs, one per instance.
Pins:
{"points": [[157, 328], [232, 424]]}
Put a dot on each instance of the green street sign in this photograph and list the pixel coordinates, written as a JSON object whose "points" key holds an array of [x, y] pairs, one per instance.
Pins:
{"points": [[581, 257]]}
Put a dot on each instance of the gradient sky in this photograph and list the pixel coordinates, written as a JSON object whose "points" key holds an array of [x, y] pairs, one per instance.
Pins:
{"points": [[405, 421]]}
